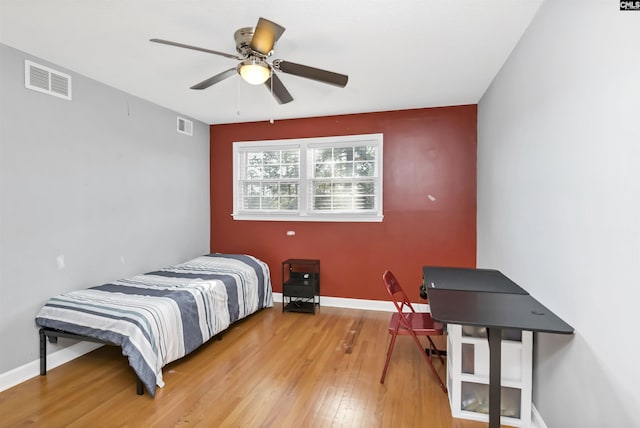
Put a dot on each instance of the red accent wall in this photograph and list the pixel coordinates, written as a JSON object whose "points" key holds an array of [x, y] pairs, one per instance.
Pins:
{"points": [[426, 152]]}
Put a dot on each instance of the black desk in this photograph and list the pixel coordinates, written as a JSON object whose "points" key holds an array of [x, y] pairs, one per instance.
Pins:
{"points": [[487, 298], [468, 279]]}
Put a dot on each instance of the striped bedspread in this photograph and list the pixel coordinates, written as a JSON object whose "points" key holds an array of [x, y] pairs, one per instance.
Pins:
{"points": [[161, 316]]}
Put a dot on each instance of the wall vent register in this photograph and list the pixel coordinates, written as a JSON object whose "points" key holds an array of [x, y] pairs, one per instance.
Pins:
{"points": [[46, 80], [185, 126]]}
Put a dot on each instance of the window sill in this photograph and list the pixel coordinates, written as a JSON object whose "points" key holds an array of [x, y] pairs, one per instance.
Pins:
{"points": [[311, 218]]}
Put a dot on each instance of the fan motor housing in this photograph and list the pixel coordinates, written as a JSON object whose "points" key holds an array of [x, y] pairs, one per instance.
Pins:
{"points": [[243, 38]]}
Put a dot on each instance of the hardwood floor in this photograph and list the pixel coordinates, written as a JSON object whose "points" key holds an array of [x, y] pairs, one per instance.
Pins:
{"points": [[270, 370]]}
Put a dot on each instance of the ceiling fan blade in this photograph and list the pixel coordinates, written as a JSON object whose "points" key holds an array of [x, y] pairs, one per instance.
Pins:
{"points": [[215, 79], [312, 73], [279, 92], [195, 48], [265, 36]]}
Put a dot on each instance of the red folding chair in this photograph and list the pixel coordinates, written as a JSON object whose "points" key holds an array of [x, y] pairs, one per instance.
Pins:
{"points": [[410, 323]]}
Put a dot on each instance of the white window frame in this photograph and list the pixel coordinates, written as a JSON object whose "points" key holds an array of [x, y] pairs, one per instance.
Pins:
{"points": [[304, 212]]}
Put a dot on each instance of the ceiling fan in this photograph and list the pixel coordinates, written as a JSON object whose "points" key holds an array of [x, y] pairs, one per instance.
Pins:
{"points": [[254, 47]]}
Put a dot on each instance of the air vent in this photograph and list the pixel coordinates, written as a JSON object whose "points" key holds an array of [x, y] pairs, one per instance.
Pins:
{"points": [[44, 79], [185, 126]]}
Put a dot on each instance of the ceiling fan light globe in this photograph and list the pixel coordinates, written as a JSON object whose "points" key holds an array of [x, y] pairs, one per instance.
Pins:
{"points": [[254, 72]]}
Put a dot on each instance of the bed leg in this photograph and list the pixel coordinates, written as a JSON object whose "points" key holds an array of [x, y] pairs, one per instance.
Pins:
{"points": [[43, 353], [139, 387]]}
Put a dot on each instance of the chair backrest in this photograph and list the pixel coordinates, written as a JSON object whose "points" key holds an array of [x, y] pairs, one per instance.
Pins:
{"points": [[395, 290]]}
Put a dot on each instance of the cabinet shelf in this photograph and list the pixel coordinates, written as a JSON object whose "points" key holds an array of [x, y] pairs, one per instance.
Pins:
{"points": [[479, 340], [468, 375], [482, 417], [299, 306], [485, 380], [300, 285]]}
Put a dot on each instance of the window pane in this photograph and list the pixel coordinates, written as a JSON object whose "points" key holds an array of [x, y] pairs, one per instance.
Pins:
{"points": [[254, 172], [344, 196], [322, 203], [288, 189], [252, 203], [323, 170], [291, 156], [322, 188], [290, 171], [271, 171], [341, 188], [323, 155], [343, 154], [342, 203], [364, 169], [272, 157], [273, 164], [364, 202], [269, 203], [365, 153], [270, 189], [288, 203], [343, 170], [254, 158], [365, 188], [252, 189]]}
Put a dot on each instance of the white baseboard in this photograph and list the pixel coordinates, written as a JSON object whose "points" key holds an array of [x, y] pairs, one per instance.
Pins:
{"points": [[55, 359], [368, 305], [536, 418]]}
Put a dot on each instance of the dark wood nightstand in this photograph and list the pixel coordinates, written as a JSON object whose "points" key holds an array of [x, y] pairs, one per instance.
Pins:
{"points": [[300, 285]]}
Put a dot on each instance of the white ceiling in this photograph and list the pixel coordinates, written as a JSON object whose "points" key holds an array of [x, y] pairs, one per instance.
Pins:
{"points": [[398, 54]]}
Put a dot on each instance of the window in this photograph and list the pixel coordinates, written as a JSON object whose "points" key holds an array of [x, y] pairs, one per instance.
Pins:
{"points": [[311, 179]]}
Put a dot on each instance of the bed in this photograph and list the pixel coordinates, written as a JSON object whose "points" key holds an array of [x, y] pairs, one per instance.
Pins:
{"points": [[160, 316]]}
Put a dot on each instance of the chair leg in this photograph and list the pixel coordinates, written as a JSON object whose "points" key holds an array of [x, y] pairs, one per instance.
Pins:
{"points": [[389, 351], [428, 360]]}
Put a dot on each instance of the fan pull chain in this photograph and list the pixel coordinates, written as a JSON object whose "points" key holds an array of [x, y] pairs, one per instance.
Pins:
{"points": [[271, 81], [237, 97]]}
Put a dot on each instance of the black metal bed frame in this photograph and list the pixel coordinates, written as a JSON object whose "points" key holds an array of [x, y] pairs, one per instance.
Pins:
{"points": [[53, 335]]}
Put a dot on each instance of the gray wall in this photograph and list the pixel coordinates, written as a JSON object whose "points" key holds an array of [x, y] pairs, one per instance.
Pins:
{"points": [[559, 202], [103, 181]]}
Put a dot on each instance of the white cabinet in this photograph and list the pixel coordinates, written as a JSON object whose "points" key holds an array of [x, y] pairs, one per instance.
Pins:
{"points": [[468, 374]]}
